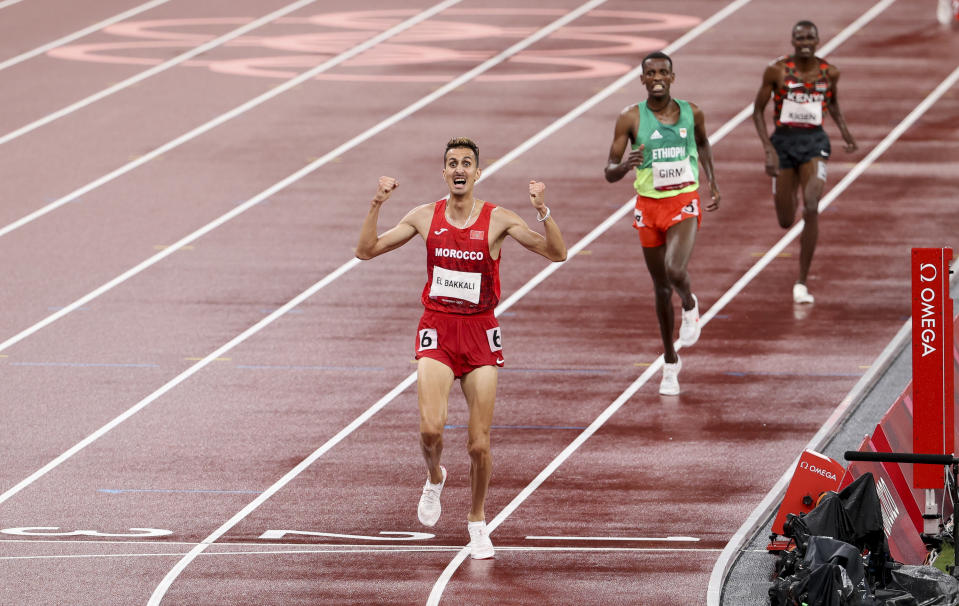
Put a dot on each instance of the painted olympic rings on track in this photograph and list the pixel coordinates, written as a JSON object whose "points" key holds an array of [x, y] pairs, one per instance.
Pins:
{"points": [[282, 55]]}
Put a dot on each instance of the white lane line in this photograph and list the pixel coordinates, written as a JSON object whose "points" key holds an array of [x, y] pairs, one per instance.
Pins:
{"points": [[153, 71], [237, 210], [326, 158], [447, 574], [773, 498], [365, 550], [9, 3], [721, 568], [164, 585], [80, 34], [542, 33], [656, 539], [376, 407]]}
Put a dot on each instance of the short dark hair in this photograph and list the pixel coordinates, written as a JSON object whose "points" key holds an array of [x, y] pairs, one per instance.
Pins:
{"points": [[806, 23], [657, 55], [461, 142]]}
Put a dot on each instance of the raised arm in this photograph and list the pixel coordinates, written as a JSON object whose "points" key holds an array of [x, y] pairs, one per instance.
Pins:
{"points": [[770, 80], [705, 155], [551, 245], [836, 113], [623, 135], [370, 245]]}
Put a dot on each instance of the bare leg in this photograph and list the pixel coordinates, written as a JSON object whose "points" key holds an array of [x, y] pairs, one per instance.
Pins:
{"points": [[667, 268], [656, 264], [434, 381], [812, 183], [680, 239], [786, 200], [479, 387]]}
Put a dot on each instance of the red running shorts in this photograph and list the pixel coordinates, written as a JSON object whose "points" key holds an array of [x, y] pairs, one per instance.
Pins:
{"points": [[653, 216], [462, 342]]}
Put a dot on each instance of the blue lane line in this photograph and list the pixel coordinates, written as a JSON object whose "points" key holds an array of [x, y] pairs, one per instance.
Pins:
{"points": [[565, 371], [271, 367], [793, 374], [521, 427], [84, 364], [123, 490]]}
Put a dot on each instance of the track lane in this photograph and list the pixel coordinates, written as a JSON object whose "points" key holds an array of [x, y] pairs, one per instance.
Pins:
{"points": [[431, 186], [531, 329]]}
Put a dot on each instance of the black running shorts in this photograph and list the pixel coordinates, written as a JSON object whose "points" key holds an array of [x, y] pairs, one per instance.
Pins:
{"points": [[797, 146]]}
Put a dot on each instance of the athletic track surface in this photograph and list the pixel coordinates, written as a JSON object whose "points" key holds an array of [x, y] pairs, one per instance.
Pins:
{"points": [[206, 399]]}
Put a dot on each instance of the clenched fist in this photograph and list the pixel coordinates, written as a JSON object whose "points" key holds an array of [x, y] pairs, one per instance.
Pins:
{"points": [[384, 189], [537, 196]]}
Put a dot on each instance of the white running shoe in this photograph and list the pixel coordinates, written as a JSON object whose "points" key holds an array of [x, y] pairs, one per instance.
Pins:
{"points": [[429, 509], [689, 329], [801, 294], [669, 386], [481, 548], [946, 12]]}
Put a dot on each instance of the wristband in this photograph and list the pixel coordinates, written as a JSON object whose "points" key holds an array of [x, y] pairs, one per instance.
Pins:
{"points": [[546, 216]]}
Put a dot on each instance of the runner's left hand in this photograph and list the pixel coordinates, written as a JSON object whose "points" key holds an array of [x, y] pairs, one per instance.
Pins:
{"points": [[716, 197], [537, 196]]}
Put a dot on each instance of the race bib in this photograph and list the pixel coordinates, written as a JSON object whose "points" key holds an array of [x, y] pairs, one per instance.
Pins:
{"points": [[428, 339], [463, 285], [801, 114], [495, 339], [672, 175]]}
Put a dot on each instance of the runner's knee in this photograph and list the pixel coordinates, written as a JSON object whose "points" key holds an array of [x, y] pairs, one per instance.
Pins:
{"points": [[663, 291], [430, 436], [675, 275], [478, 448]]}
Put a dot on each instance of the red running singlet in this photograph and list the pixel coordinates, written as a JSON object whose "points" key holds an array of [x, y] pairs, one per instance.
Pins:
{"points": [[461, 276]]}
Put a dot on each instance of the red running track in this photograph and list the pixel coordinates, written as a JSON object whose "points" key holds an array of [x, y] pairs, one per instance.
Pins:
{"points": [[138, 429]]}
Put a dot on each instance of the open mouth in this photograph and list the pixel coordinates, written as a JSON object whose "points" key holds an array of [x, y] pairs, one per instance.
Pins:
{"points": [[459, 181]]}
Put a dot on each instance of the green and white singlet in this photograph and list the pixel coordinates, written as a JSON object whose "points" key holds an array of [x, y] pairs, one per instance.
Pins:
{"points": [[671, 159]]}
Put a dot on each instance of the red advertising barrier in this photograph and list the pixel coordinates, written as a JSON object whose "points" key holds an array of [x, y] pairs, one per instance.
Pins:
{"points": [[933, 406], [952, 334], [894, 434], [905, 544]]}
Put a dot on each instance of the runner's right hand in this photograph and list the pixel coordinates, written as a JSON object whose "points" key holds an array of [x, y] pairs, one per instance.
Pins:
{"points": [[772, 163], [384, 189], [635, 157]]}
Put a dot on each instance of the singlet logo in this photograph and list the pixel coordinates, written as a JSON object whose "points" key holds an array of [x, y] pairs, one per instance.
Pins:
{"points": [[655, 135], [805, 97], [666, 153], [452, 253]]}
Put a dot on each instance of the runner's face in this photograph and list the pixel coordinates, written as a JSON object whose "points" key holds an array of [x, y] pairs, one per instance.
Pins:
{"points": [[657, 76], [460, 170], [805, 40]]}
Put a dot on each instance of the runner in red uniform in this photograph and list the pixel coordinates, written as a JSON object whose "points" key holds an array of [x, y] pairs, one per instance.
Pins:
{"points": [[803, 87], [458, 335]]}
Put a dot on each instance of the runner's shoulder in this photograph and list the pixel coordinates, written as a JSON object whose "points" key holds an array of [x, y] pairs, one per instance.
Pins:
{"points": [[776, 70], [421, 216], [779, 62]]}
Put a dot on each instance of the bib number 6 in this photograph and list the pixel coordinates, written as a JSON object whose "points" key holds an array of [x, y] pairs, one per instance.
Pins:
{"points": [[428, 339]]}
